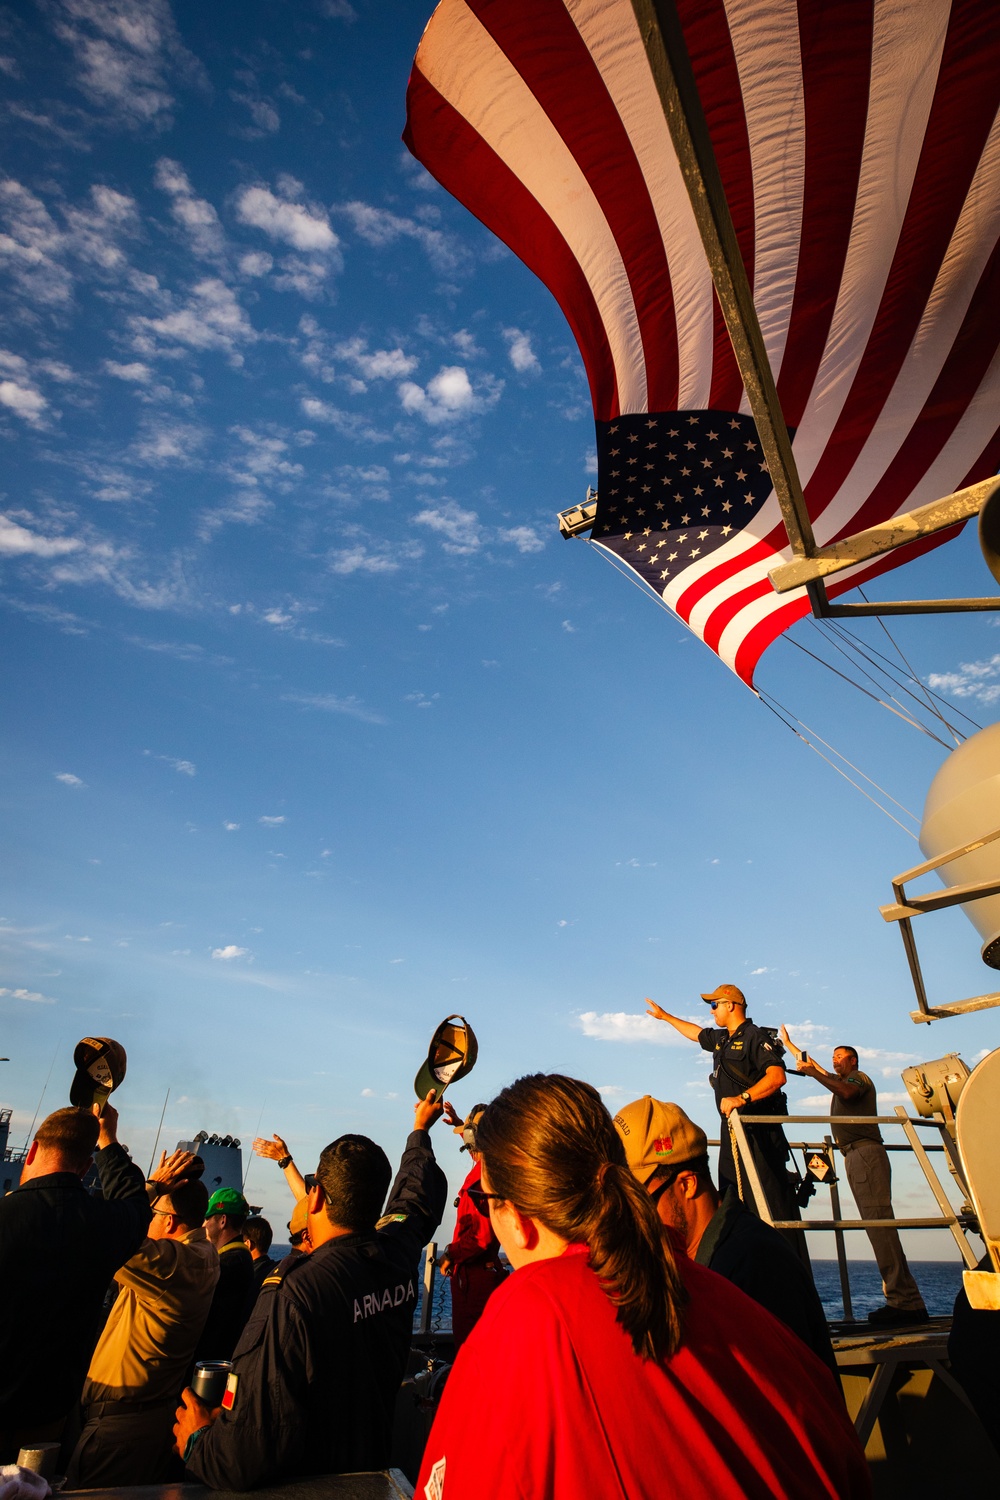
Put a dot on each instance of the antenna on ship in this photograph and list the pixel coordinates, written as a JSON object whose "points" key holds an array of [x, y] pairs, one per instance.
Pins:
{"points": [[159, 1127]]}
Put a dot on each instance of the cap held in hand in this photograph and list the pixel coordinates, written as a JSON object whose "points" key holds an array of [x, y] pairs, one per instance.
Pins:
{"points": [[100, 1068], [658, 1135], [452, 1055]]}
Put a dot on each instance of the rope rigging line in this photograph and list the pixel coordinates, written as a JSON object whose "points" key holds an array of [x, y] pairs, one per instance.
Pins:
{"points": [[899, 652], [774, 707], [868, 653], [864, 646], [907, 718], [650, 593], [640, 583], [858, 648]]}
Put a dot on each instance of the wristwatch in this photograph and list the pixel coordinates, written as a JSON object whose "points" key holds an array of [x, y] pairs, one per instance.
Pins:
{"points": [[745, 1096], [285, 1161]]}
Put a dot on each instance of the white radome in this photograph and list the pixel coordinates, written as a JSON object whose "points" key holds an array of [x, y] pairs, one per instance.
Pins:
{"points": [[963, 804]]}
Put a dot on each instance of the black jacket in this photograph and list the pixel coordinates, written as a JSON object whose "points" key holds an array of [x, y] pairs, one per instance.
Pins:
{"points": [[324, 1353], [759, 1260], [234, 1296], [59, 1249], [262, 1268]]}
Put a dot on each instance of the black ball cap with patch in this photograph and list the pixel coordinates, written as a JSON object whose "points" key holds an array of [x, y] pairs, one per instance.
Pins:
{"points": [[100, 1068]]}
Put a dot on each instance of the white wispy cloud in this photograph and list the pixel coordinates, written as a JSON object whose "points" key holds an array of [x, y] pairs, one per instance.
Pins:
{"points": [[979, 680], [136, 372], [183, 767], [378, 364], [367, 557], [20, 382], [329, 703], [195, 215], [209, 318], [164, 440], [380, 227], [286, 218], [68, 779], [32, 246], [520, 353], [255, 263], [127, 52], [624, 1026], [450, 395], [464, 533], [461, 529], [262, 457], [230, 827], [17, 541], [524, 538], [263, 113], [230, 951], [349, 424], [24, 400], [272, 822], [33, 996]]}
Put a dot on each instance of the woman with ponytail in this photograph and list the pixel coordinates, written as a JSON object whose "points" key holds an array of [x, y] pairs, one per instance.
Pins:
{"points": [[608, 1367]]}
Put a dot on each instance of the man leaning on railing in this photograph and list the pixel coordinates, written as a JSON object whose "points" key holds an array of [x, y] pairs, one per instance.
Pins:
{"points": [[866, 1163]]}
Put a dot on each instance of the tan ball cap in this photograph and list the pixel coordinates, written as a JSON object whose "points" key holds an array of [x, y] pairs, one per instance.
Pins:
{"points": [[657, 1135], [726, 992]]}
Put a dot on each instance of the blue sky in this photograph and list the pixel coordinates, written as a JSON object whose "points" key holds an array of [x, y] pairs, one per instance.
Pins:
{"points": [[313, 729]]}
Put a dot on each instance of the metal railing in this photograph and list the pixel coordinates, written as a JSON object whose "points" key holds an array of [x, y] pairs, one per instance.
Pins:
{"points": [[958, 1222]]}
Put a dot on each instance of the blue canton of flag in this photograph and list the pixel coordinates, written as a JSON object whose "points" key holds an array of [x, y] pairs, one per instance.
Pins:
{"points": [[674, 486]]}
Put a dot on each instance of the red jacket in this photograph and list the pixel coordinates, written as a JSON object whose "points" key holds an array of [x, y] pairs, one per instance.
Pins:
{"points": [[548, 1401], [474, 1238]]}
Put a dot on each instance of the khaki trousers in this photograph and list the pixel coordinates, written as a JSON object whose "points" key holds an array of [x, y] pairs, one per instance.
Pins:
{"points": [[868, 1172]]}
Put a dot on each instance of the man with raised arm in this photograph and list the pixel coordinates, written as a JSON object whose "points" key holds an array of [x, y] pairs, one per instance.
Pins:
{"points": [[59, 1249], [142, 1359], [747, 1075], [316, 1373], [866, 1163]]}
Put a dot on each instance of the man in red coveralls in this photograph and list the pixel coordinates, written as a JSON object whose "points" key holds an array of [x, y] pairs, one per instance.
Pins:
{"points": [[472, 1260]]}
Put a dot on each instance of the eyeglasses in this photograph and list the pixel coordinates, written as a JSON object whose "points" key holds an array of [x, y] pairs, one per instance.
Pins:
{"points": [[165, 1213], [310, 1180], [482, 1199]]}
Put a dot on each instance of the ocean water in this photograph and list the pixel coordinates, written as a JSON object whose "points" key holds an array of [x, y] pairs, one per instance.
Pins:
{"points": [[939, 1282]]}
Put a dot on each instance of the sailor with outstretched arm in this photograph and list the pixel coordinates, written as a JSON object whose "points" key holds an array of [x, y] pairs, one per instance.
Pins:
{"points": [[316, 1372], [747, 1074]]}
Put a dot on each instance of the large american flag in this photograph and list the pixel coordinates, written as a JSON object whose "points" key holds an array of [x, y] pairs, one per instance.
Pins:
{"points": [[859, 147]]}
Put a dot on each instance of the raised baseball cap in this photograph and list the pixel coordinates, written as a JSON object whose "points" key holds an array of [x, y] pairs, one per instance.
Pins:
{"points": [[452, 1054], [657, 1135], [100, 1067], [227, 1201], [726, 992]]}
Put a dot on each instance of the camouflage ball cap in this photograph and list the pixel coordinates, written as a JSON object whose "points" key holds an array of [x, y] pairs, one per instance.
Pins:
{"points": [[657, 1135], [227, 1201]]}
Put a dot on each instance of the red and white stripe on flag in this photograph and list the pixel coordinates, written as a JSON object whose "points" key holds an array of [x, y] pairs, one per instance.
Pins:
{"points": [[859, 147]]}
